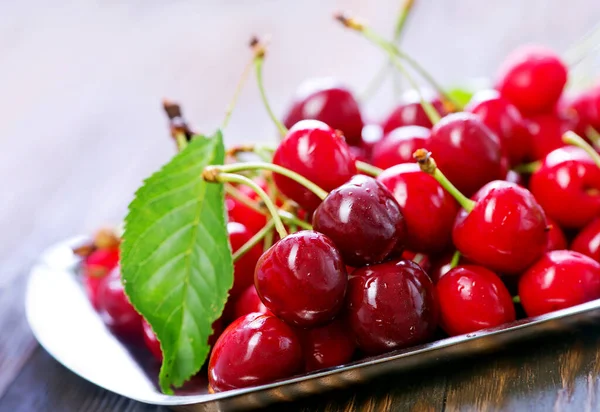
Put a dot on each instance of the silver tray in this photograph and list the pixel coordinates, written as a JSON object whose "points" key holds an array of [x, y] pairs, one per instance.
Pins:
{"points": [[71, 331]]}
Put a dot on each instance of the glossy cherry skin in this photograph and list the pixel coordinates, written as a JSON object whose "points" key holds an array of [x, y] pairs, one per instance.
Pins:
{"points": [[327, 346], [410, 113], [243, 269], [556, 237], [546, 132], [330, 103], [363, 220], [504, 119], [506, 231], [587, 242], [429, 211], [239, 212], [390, 306], [254, 350], [317, 152], [587, 106], [466, 151], [95, 269], [532, 78], [302, 279], [473, 298], [248, 302], [559, 280], [399, 145], [567, 186], [115, 309]]}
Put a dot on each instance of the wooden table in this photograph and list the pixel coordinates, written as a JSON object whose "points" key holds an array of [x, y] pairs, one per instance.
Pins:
{"points": [[81, 126]]}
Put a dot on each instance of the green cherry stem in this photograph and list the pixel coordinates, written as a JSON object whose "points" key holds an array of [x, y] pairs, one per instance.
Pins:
{"points": [[593, 135], [181, 141], [455, 259], [516, 299], [428, 165], [238, 91], [368, 169], [254, 240], [528, 168], [574, 139]]}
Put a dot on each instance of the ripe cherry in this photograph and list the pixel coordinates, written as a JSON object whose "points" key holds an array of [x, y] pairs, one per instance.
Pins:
{"points": [[254, 350], [329, 102], [410, 112], [248, 302], [556, 237], [473, 298], [559, 280], [398, 146], [546, 132], [327, 346], [243, 272], [317, 152], [587, 107], [239, 212], [96, 267], [567, 186], [428, 210], [587, 241], [302, 279], [392, 305], [441, 266], [363, 220], [532, 78]]}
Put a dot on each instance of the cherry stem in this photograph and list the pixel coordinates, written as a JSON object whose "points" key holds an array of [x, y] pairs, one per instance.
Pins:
{"points": [[238, 91], [455, 259], [574, 139], [259, 58], [180, 131], [428, 165], [528, 168], [583, 47], [593, 135], [368, 169], [264, 152], [418, 258], [516, 299], [254, 240], [181, 141]]}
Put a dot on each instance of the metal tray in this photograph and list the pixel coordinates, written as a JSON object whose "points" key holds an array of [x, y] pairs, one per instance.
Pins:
{"points": [[71, 331]]}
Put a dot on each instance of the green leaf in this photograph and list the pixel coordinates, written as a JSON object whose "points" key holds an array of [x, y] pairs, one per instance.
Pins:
{"points": [[176, 259]]}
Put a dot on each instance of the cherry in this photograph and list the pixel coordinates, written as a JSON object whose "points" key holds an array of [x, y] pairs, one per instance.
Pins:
{"points": [[151, 341], [330, 103], [420, 259], [243, 272], [567, 185], [532, 78], [587, 107], [504, 119], [441, 266], [587, 242], [327, 346], [410, 112], [239, 212], [248, 302], [467, 151], [556, 237], [363, 220], [398, 146], [302, 279], [254, 350], [428, 210], [317, 152], [115, 309], [546, 132], [473, 298], [559, 280], [96, 267], [392, 305]]}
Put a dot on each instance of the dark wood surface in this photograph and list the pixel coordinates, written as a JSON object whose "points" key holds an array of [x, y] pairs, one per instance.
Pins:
{"points": [[81, 126]]}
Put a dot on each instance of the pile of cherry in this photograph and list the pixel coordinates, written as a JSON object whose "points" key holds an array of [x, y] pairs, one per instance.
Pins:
{"points": [[380, 271]]}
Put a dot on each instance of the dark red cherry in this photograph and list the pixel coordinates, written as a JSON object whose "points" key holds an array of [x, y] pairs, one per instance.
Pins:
{"points": [[559, 280], [399, 145], [330, 103], [243, 272], [532, 78], [302, 279], [506, 231], [239, 212], [248, 302], [410, 113], [467, 151], [363, 220], [556, 237], [473, 298], [392, 305], [546, 132], [327, 346], [587, 106], [428, 210], [317, 152], [96, 267], [587, 242], [567, 186], [254, 350], [504, 119], [115, 309]]}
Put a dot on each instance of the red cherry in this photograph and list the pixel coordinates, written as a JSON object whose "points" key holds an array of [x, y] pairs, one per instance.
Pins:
{"points": [[151, 341], [371, 135], [254, 350], [440, 267], [587, 242], [567, 186], [546, 134], [95, 269], [506, 231], [587, 107], [466, 151], [532, 78], [115, 309], [327, 346], [248, 302], [556, 237], [390, 306], [363, 220], [473, 298], [410, 112], [419, 258], [243, 272], [559, 280], [330, 103], [317, 152], [239, 212], [302, 279], [399, 145], [428, 210]]}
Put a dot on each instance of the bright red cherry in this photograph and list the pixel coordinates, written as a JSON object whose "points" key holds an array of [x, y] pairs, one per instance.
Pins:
{"points": [[587, 242], [546, 132], [115, 309], [96, 267], [248, 302], [363, 220], [559, 280], [467, 151], [327, 346], [532, 78], [243, 271], [330, 103], [399, 145], [302, 279], [473, 298], [428, 210], [239, 212], [410, 113], [317, 152], [254, 350], [567, 186], [587, 107], [556, 237], [390, 306]]}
